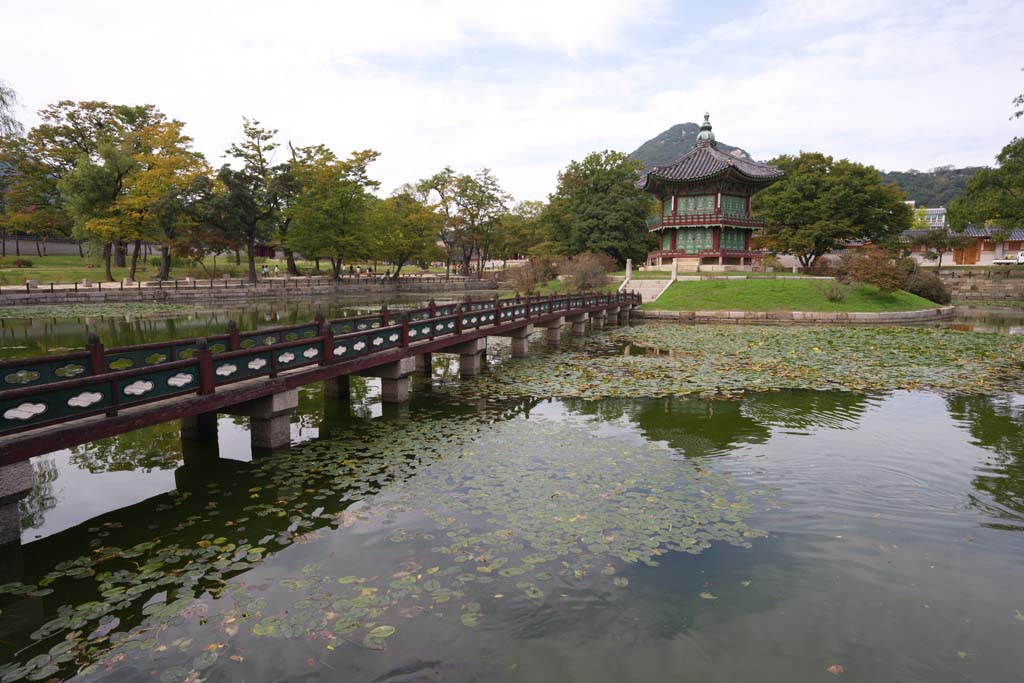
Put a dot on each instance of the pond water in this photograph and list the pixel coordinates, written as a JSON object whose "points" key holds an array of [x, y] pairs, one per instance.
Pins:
{"points": [[511, 531]]}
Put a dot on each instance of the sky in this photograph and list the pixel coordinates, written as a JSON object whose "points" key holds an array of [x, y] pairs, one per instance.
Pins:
{"points": [[525, 87]]}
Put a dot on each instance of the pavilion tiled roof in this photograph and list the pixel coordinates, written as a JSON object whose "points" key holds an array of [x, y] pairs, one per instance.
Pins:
{"points": [[1013, 235], [706, 161]]}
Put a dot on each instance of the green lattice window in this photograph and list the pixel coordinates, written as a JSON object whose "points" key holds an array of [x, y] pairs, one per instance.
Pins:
{"points": [[667, 207], [734, 206], [695, 240], [696, 204], [732, 239], [666, 239]]}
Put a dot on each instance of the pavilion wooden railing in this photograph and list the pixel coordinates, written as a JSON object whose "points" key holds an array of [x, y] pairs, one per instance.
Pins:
{"points": [[57, 388], [696, 219]]}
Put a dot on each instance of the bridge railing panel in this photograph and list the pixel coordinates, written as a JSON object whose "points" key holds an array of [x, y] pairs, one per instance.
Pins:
{"points": [[243, 364], [154, 384], [362, 323], [16, 374], [85, 396], [297, 354]]}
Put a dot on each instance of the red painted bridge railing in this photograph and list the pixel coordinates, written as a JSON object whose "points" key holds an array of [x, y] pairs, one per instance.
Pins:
{"points": [[58, 388]]}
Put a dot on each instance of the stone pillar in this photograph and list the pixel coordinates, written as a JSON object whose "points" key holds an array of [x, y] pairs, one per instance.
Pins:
{"points": [[394, 390], [201, 427], [337, 387], [624, 314], [199, 451], [520, 340], [269, 419], [629, 269], [579, 323], [15, 484], [554, 330], [613, 316], [394, 379], [424, 363], [675, 269], [597, 319], [471, 356]]}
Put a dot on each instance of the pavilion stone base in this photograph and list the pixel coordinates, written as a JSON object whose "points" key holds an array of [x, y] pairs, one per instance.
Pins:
{"points": [[269, 419], [394, 379], [15, 484]]}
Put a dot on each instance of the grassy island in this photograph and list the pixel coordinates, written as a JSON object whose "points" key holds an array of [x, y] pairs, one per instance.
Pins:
{"points": [[781, 295]]}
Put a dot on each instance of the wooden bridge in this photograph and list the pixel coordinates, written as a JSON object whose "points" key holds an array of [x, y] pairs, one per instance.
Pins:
{"points": [[54, 402]]}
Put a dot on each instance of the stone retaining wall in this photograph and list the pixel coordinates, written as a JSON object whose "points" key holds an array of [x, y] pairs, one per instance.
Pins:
{"points": [[800, 317], [230, 292], [1003, 284]]}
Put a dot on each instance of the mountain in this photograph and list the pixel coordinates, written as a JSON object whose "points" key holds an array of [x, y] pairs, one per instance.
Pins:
{"points": [[937, 187], [673, 143]]}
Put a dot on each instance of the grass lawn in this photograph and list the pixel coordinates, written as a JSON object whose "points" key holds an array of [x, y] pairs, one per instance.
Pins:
{"points": [[780, 295]]}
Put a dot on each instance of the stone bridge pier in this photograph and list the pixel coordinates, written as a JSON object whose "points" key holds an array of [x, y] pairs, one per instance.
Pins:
{"points": [[471, 356], [394, 379], [15, 484], [554, 330], [579, 323], [520, 340], [269, 419]]}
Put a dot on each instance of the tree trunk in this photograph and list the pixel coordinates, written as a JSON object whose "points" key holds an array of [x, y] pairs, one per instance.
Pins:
{"points": [[335, 267], [107, 249], [3, 242], [81, 254], [17, 243], [317, 262], [289, 256], [250, 252], [119, 254], [238, 254], [39, 252], [938, 266], [135, 259], [165, 262]]}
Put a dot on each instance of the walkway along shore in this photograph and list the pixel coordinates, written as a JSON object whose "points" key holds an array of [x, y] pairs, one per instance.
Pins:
{"points": [[800, 317], [198, 291]]}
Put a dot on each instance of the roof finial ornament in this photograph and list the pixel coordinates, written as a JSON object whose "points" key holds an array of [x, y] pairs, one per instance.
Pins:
{"points": [[706, 137]]}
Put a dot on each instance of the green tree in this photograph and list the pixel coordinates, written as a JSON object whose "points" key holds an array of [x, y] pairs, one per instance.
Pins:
{"points": [[522, 230], [330, 216], [821, 203], [405, 228], [471, 207], [1018, 102], [9, 123], [252, 192], [597, 207], [994, 196]]}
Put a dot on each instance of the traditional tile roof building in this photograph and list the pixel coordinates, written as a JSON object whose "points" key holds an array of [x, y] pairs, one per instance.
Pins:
{"points": [[989, 244], [705, 205]]}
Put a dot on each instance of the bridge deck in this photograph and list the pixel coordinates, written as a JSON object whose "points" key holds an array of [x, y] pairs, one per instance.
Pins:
{"points": [[181, 378]]}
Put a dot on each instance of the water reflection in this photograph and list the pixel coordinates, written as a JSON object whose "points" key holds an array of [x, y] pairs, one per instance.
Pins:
{"points": [[869, 495], [45, 332], [997, 425]]}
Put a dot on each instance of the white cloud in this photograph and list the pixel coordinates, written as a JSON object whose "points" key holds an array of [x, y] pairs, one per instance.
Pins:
{"points": [[523, 87]]}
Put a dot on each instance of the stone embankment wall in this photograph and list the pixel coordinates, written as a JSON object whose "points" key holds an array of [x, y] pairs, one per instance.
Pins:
{"points": [[202, 293], [801, 317], [991, 286]]}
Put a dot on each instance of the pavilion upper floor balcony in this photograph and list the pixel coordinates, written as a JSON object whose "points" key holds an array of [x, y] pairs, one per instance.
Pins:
{"points": [[696, 219]]}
